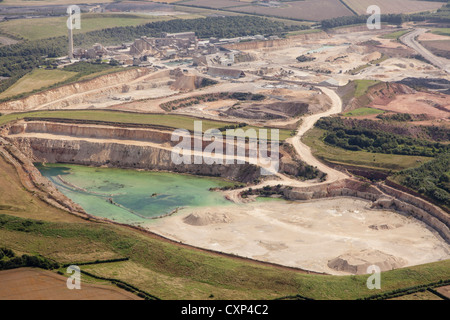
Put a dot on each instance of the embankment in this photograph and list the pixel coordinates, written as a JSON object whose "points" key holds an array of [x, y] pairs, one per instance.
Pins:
{"points": [[278, 43], [109, 83]]}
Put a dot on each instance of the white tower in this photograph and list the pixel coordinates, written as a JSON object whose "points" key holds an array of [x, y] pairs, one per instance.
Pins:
{"points": [[70, 43]]}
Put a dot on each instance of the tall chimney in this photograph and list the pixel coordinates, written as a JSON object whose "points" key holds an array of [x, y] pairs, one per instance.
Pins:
{"points": [[70, 43], [70, 27]]}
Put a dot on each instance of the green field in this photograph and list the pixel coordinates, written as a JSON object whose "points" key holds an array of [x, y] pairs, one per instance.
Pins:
{"points": [[37, 79], [166, 120], [363, 112], [42, 28], [169, 271], [363, 85], [378, 161], [442, 31], [395, 35], [300, 32], [40, 80]]}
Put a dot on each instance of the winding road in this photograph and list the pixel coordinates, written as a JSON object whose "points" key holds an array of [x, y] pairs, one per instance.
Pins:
{"points": [[304, 153], [409, 39]]}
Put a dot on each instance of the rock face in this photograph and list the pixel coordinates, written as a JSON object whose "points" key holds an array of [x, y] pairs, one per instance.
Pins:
{"points": [[358, 262], [111, 83], [125, 156], [278, 43], [92, 131]]}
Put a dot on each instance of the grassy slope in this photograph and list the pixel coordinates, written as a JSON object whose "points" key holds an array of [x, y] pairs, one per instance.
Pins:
{"points": [[363, 112], [363, 85], [395, 35], [16, 200], [42, 28], [40, 80], [37, 79], [171, 121], [172, 272], [365, 159]]}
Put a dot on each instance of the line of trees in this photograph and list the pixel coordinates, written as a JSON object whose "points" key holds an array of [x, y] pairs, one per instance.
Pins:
{"points": [[431, 179], [357, 138], [9, 260]]}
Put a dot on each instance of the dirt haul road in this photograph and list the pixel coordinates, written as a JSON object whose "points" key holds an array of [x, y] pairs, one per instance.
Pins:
{"points": [[304, 152], [409, 39]]}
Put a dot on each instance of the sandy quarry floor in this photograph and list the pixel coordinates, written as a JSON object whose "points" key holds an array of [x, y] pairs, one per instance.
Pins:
{"points": [[305, 235]]}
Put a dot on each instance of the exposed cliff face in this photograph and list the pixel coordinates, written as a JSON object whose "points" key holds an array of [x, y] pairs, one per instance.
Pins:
{"points": [[125, 156], [277, 44], [111, 83], [91, 131], [131, 147]]}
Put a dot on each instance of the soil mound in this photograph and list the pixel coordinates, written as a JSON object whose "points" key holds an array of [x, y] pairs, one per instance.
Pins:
{"points": [[279, 110], [358, 262], [206, 218], [186, 83], [371, 57]]}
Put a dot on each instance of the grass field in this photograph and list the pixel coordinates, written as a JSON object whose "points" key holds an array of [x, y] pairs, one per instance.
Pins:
{"points": [[35, 29], [40, 80], [169, 271], [425, 295], [37, 79], [362, 112], [170, 121], [378, 161], [296, 33], [442, 31], [394, 35], [363, 85], [16, 201]]}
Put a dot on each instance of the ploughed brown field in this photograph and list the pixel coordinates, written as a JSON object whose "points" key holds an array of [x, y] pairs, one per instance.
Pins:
{"points": [[306, 10], [438, 47], [37, 284], [397, 6]]}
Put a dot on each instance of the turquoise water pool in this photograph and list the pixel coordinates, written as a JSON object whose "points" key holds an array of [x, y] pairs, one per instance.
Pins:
{"points": [[130, 196]]}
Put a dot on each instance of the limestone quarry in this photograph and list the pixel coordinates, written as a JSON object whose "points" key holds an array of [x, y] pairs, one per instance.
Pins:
{"points": [[332, 223]]}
